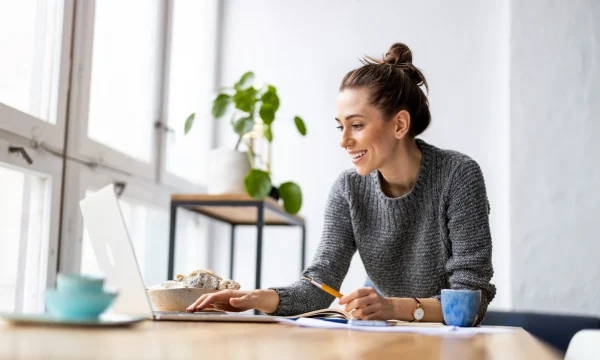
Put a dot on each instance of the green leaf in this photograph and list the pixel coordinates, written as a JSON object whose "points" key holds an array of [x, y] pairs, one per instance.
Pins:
{"points": [[268, 133], [291, 195], [188, 123], [246, 80], [245, 100], [271, 98], [267, 114], [258, 183], [243, 125], [220, 105], [300, 125]]}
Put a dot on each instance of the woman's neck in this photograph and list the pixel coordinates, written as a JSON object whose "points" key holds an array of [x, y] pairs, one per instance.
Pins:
{"points": [[400, 173]]}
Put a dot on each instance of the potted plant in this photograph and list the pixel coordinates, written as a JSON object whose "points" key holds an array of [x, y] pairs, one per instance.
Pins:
{"points": [[252, 113]]}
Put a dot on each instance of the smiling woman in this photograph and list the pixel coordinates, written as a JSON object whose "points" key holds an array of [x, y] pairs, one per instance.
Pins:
{"points": [[417, 214]]}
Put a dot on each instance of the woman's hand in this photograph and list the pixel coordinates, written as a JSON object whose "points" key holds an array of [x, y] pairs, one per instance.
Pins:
{"points": [[237, 300], [367, 304]]}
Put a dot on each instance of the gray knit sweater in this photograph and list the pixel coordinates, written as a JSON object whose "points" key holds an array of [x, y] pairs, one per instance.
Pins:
{"points": [[435, 237]]}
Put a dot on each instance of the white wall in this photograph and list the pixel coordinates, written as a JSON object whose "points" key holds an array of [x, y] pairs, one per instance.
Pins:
{"points": [[555, 166], [305, 48]]}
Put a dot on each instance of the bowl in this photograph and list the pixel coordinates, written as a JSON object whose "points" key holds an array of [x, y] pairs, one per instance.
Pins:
{"points": [[176, 299], [78, 305]]}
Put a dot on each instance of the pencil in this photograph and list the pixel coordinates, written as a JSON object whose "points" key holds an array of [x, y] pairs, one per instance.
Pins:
{"points": [[324, 287]]}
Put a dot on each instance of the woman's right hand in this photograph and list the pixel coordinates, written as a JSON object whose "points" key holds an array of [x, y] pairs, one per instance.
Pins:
{"points": [[237, 300]]}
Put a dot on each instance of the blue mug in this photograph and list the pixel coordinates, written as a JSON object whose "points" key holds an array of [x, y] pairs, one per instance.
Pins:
{"points": [[460, 307]]}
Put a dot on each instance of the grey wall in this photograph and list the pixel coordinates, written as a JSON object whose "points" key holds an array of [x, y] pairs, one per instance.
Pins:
{"points": [[555, 155]]}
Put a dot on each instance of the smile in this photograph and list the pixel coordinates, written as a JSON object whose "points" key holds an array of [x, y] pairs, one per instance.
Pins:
{"points": [[357, 156]]}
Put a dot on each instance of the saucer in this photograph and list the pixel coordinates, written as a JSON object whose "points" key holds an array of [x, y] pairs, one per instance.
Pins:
{"points": [[50, 320]]}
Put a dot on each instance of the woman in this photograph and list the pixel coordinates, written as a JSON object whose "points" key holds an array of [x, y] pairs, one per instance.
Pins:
{"points": [[417, 215]]}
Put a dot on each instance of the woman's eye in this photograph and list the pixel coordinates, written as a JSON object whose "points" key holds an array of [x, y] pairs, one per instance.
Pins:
{"points": [[357, 126], [340, 128]]}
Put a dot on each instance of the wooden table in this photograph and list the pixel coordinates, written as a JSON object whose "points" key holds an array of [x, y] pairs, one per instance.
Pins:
{"points": [[188, 340], [235, 209]]}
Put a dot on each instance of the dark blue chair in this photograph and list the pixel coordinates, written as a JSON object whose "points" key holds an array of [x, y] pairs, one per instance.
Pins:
{"points": [[554, 329]]}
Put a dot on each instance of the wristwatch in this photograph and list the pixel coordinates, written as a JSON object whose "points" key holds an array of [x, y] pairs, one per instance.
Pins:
{"points": [[419, 312]]}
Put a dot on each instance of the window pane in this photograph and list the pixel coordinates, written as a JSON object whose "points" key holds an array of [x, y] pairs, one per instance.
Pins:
{"points": [[149, 231], [191, 84], [30, 39], [124, 79], [24, 231]]}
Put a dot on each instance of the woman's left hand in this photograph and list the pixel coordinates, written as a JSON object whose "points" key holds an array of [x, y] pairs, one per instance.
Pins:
{"points": [[367, 304]]}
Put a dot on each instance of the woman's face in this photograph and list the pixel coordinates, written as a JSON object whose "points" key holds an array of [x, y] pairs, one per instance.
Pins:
{"points": [[368, 139]]}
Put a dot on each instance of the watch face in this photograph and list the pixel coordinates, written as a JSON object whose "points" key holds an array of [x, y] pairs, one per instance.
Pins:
{"points": [[419, 313]]}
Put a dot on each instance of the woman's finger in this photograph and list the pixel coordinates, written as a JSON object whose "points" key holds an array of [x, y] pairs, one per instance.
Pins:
{"points": [[198, 301], [355, 294], [364, 312], [222, 296], [359, 302]]}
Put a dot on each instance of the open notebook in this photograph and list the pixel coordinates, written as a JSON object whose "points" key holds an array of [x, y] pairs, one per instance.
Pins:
{"points": [[325, 313]]}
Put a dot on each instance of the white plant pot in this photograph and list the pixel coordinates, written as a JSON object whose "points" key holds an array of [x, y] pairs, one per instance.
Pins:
{"points": [[227, 170]]}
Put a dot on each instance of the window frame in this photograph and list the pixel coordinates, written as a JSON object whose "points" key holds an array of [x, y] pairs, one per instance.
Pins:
{"points": [[83, 146], [163, 175], [30, 127], [67, 186], [46, 166]]}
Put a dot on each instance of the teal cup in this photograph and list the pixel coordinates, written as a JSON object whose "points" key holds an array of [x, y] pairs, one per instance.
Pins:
{"points": [[78, 297], [460, 307], [79, 283]]}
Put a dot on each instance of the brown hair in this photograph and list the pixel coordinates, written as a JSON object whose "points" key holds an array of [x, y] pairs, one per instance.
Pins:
{"points": [[394, 83]]}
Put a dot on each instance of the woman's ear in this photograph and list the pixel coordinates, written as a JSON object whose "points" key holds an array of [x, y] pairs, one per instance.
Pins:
{"points": [[402, 124]]}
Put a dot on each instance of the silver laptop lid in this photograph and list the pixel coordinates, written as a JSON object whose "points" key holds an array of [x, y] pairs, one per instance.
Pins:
{"points": [[114, 251]]}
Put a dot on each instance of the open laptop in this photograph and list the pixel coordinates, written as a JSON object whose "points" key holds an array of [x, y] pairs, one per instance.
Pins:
{"points": [[116, 259]]}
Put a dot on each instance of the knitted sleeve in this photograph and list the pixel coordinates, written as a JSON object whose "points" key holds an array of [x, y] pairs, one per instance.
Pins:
{"points": [[331, 261], [470, 263]]}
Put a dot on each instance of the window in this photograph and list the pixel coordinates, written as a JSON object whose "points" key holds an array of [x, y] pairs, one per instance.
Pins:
{"points": [[190, 87], [24, 230], [126, 59], [117, 90], [30, 39]]}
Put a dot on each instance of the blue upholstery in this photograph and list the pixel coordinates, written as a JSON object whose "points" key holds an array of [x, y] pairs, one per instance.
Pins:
{"points": [[556, 330]]}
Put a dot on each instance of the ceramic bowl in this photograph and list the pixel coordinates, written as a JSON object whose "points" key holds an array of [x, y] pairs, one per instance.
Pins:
{"points": [[78, 305], [176, 299]]}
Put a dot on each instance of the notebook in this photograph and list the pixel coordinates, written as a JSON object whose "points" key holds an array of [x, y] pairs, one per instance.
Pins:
{"points": [[325, 313]]}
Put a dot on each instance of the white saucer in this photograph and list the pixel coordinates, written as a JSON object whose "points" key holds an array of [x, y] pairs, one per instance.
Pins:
{"points": [[48, 319]]}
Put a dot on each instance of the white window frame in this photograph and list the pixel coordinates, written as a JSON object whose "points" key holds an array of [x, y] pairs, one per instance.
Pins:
{"points": [[83, 146], [147, 183], [47, 166], [164, 176], [30, 127]]}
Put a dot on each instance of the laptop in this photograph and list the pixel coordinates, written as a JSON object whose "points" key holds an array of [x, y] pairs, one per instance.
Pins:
{"points": [[116, 258]]}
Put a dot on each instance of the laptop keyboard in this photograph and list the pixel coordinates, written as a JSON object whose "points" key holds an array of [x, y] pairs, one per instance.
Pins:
{"points": [[181, 313]]}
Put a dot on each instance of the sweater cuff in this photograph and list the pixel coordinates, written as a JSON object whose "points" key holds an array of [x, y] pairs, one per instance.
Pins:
{"points": [[286, 303]]}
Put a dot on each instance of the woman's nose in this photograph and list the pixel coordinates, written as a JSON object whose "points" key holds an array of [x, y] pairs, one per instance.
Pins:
{"points": [[345, 139]]}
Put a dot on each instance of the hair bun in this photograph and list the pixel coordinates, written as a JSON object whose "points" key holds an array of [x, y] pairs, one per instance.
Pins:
{"points": [[398, 54]]}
